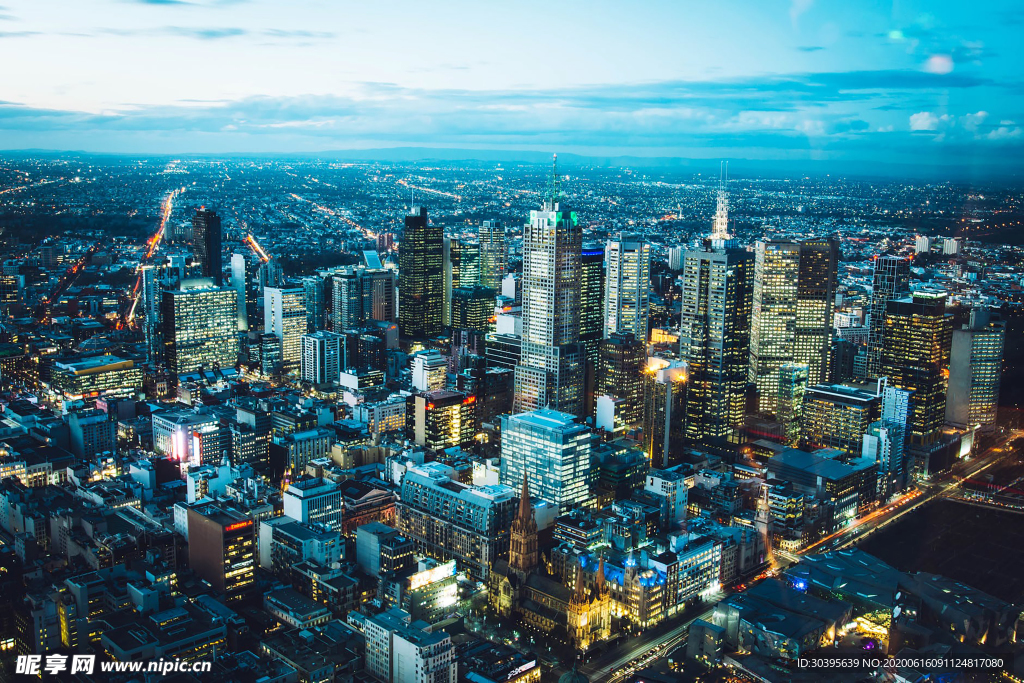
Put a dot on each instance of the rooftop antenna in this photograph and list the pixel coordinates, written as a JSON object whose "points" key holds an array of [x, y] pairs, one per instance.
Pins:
{"points": [[553, 183], [720, 227]]}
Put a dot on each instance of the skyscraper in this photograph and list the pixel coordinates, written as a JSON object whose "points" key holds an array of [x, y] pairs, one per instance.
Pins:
{"points": [[550, 371], [314, 289], [553, 449], [346, 300], [792, 378], [461, 269], [493, 254], [715, 340], [207, 238], [975, 369], [664, 406], [591, 317], [200, 326], [915, 357], [321, 357], [284, 312], [420, 277], [240, 283], [621, 362], [791, 320], [891, 281], [627, 286]]}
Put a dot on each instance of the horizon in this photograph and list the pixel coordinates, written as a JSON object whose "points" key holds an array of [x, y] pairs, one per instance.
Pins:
{"points": [[800, 82]]}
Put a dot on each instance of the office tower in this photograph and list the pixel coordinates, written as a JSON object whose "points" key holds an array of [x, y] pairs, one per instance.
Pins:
{"points": [[151, 324], [714, 340], [975, 367], [886, 441], [207, 237], [550, 370], [791, 319], [451, 520], [200, 327], [591, 317], [891, 281], [553, 450], [92, 433], [622, 359], [321, 357], [190, 438], [315, 501], [429, 371], [790, 402], [837, 416], [627, 287], [420, 277], [284, 316], [270, 274], [347, 300], [222, 550], [442, 419], [664, 407], [472, 308], [915, 357], [461, 269], [493, 254], [240, 283], [378, 287], [314, 291], [401, 650], [675, 258]]}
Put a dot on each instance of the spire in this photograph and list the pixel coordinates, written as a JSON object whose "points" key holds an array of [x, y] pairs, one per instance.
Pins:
{"points": [[579, 596], [599, 579], [720, 227], [552, 191], [525, 509]]}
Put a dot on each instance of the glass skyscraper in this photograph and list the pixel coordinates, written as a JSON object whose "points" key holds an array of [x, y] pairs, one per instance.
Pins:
{"points": [[627, 287], [553, 450], [200, 326], [975, 368], [550, 370], [284, 311], [493, 254], [891, 281], [420, 277], [591, 316], [207, 237]]}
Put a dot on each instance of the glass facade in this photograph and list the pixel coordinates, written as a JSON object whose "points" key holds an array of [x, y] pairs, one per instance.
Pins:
{"points": [[420, 277], [553, 450]]}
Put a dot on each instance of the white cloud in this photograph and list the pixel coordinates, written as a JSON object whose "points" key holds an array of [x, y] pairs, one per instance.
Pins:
{"points": [[926, 120], [939, 64]]}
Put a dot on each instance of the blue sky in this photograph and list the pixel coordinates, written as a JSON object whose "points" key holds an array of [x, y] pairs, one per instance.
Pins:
{"points": [[935, 82]]}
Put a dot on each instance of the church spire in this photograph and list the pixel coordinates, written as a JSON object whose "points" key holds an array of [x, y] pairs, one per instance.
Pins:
{"points": [[525, 508], [599, 579], [579, 596]]}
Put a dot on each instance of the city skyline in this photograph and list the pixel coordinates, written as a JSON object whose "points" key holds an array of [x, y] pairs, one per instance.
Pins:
{"points": [[785, 81]]}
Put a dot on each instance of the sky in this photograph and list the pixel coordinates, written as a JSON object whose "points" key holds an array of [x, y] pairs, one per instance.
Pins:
{"points": [[937, 82]]}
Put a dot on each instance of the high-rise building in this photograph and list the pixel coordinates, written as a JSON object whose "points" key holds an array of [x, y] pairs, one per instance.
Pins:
{"points": [[442, 419], [891, 280], [315, 501], [915, 357], [591, 317], [207, 237], [378, 287], [627, 286], [284, 316], [472, 308], [346, 300], [420, 277], [790, 398], [493, 254], [240, 283], [200, 326], [401, 650], [715, 340], [675, 258], [461, 269], [975, 368], [554, 450], [791, 320], [321, 357], [222, 550], [550, 370], [837, 416], [451, 520], [664, 406], [886, 441], [314, 290], [622, 359]]}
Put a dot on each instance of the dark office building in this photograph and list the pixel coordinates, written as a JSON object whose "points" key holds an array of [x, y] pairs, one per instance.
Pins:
{"points": [[222, 550], [621, 361], [420, 277], [207, 237], [591, 317]]}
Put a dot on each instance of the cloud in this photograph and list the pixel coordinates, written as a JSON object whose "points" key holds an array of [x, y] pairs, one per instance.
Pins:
{"points": [[797, 9], [18, 34], [924, 120], [939, 64], [810, 48], [217, 33]]}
